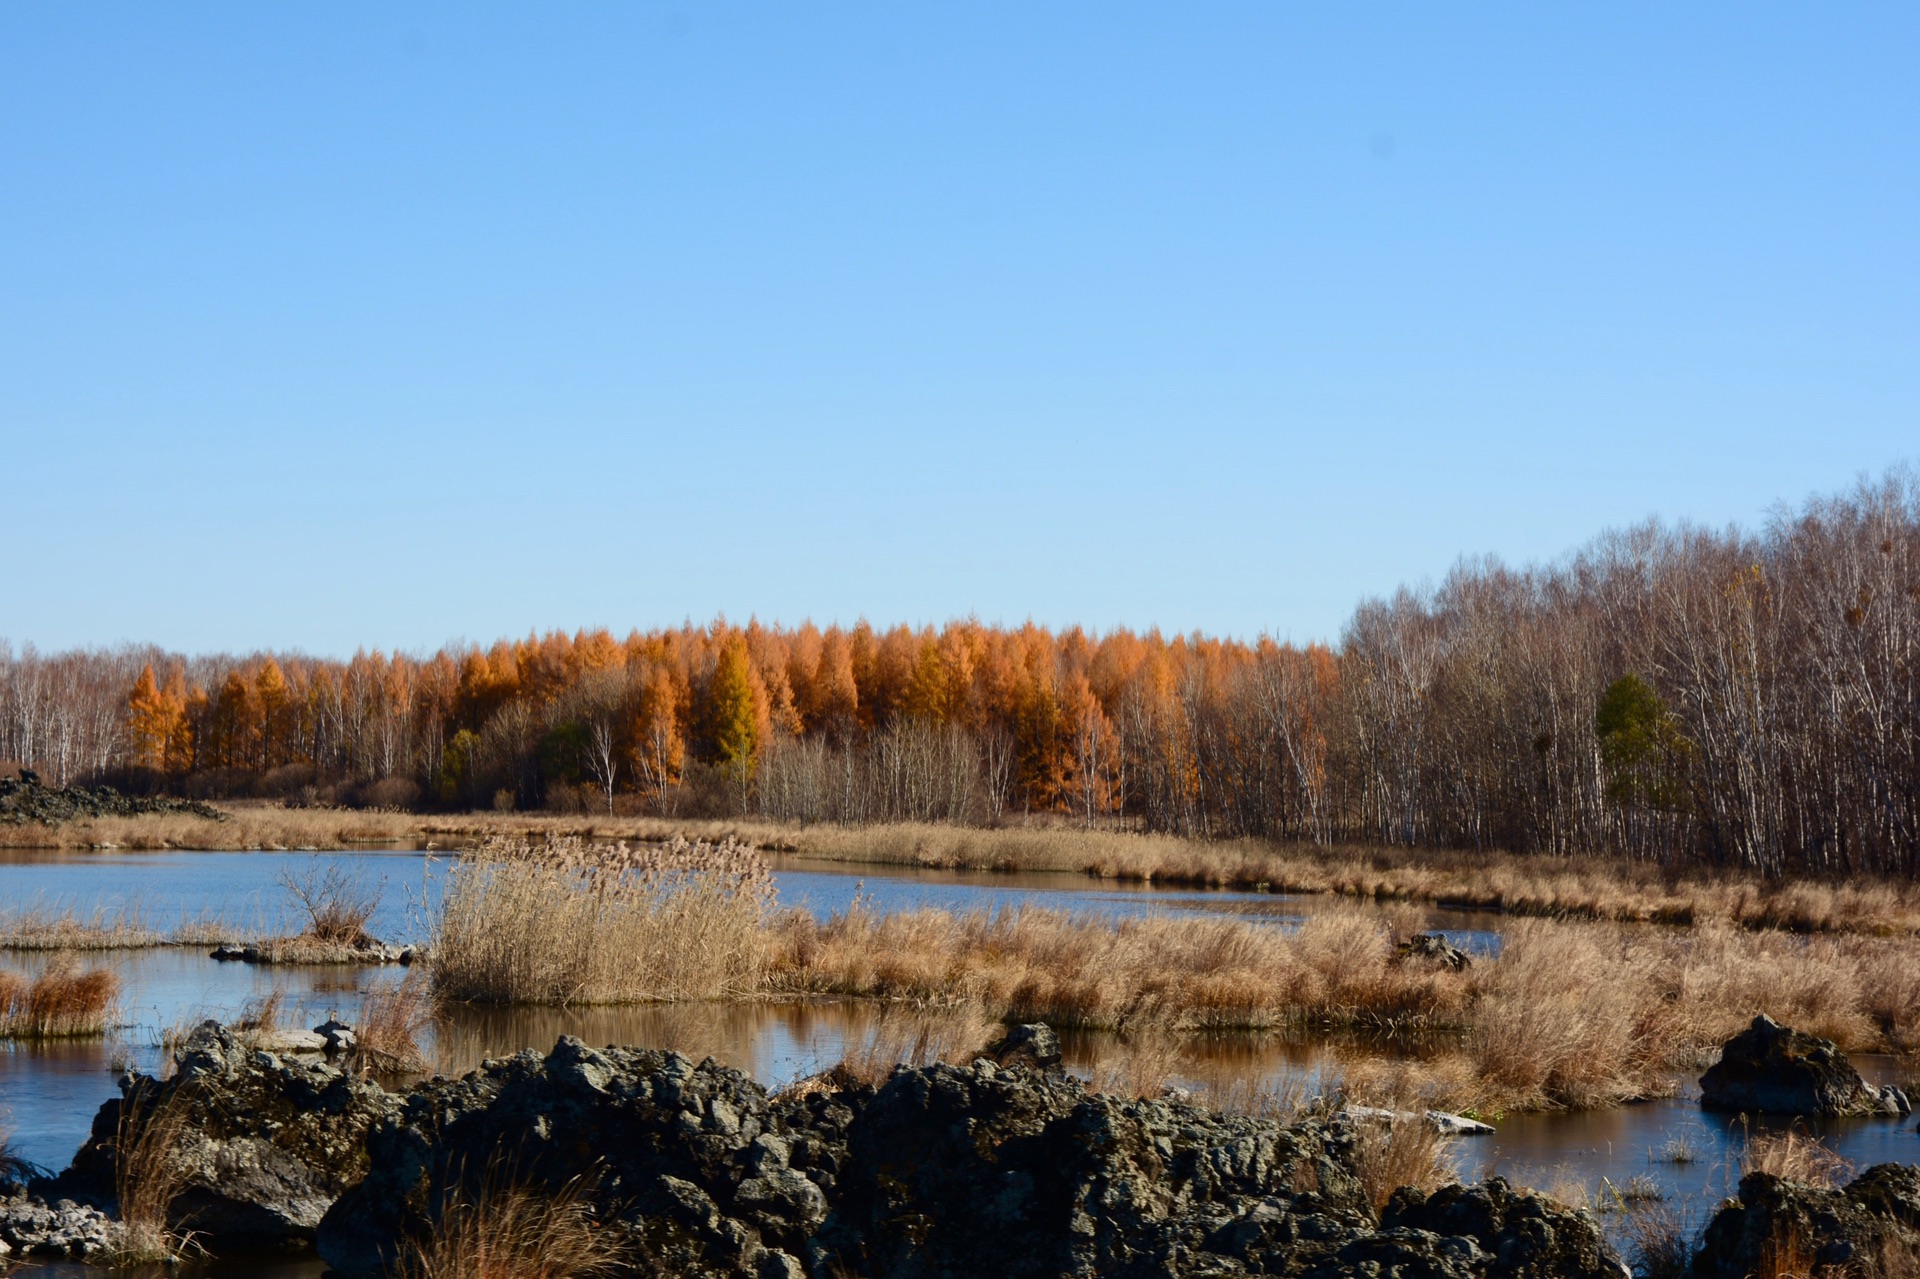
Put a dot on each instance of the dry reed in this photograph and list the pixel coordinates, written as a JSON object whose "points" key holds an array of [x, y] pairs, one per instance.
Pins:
{"points": [[148, 1175], [907, 1037], [392, 1019], [570, 922], [508, 1231], [1401, 1149], [61, 1003], [1795, 1155]]}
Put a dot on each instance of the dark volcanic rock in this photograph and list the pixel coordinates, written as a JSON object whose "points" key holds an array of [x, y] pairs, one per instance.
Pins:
{"points": [[267, 1142], [23, 801], [709, 1175], [1034, 1044], [941, 1172], [1769, 1068], [1524, 1236], [1433, 948], [1856, 1230]]}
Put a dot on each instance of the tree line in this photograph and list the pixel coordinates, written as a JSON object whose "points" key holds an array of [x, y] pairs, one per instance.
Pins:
{"points": [[1679, 694]]}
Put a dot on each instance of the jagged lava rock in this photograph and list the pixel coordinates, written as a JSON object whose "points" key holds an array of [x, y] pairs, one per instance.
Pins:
{"points": [[1772, 1069], [268, 1141], [1878, 1213], [941, 1172]]}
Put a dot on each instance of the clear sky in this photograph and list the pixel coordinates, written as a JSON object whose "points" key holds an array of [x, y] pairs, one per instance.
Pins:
{"points": [[336, 325]]}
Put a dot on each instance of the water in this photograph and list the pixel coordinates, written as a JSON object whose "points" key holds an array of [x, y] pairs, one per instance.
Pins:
{"points": [[49, 1093]]}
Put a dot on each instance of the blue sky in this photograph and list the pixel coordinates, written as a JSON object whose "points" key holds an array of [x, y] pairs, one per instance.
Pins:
{"points": [[329, 326]]}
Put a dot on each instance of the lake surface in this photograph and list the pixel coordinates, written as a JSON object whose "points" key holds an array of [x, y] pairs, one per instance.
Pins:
{"points": [[49, 1093]]}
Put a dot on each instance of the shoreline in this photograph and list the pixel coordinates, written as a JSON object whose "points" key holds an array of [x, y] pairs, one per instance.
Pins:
{"points": [[1544, 886]]}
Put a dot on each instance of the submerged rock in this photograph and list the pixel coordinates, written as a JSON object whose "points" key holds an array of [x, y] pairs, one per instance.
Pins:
{"points": [[940, 1172], [264, 1143], [1870, 1227], [1442, 1122], [1772, 1069]]}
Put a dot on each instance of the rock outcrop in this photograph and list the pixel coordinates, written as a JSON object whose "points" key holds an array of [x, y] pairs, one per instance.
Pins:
{"points": [[938, 1173], [1777, 1226], [264, 1143], [32, 1226], [23, 801], [1433, 948], [1772, 1069]]}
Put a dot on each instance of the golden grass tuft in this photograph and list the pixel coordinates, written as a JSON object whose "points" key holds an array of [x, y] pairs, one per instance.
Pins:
{"points": [[508, 1231], [1795, 1155], [1404, 1150], [148, 1175], [907, 1037], [392, 1019], [570, 922], [62, 1003]]}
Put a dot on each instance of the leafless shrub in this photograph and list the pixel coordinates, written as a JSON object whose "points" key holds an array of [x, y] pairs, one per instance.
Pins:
{"points": [[336, 905]]}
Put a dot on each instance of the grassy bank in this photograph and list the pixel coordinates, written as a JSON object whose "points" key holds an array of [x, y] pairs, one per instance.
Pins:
{"points": [[1542, 886]]}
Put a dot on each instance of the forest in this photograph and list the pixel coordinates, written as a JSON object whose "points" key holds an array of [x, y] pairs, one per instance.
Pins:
{"points": [[1674, 694]]}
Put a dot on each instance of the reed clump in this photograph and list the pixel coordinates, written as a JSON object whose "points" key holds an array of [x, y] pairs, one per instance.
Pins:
{"points": [[1402, 1149], [504, 1230], [573, 922], [392, 1019], [1796, 1155], [148, 1175], [63, 1002], [1075, 970]]}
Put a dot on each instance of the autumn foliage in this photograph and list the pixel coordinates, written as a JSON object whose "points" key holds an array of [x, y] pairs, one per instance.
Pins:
{"points": [[1668, 694]]}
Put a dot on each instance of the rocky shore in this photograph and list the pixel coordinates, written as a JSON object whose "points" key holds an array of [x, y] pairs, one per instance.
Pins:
{"points": [[25, 800], [1004, 1167]]}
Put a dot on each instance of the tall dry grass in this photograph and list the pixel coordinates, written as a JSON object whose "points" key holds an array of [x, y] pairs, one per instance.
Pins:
{"points": [[1066, 969], [1568, 1015], [148, 1175], [505, 1230], [1403, 1150], [1796, 1155], [392, 1019], [571, 922], [63, 1002], [906, 1037]]}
